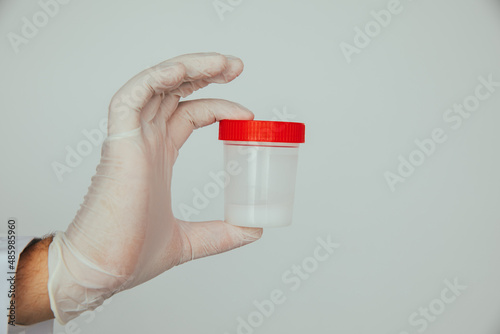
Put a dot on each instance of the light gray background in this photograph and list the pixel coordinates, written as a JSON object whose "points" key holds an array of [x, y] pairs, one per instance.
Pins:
{"points": [[397, 248]]}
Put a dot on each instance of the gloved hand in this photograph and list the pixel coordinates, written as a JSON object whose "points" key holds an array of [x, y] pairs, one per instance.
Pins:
{"points": [[125, 233]]}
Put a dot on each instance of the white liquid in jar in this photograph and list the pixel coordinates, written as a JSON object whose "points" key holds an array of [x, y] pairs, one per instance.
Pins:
{"points": [[258, 215]]}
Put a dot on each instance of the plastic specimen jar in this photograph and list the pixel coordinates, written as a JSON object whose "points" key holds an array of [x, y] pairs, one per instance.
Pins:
{"points": [[260, 168]]}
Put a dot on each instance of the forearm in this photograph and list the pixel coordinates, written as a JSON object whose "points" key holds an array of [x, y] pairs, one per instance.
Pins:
{"points": [[31, 297]]}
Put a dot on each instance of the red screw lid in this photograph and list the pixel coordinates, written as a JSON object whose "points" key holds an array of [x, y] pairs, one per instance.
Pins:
{"points": [[264, 131]]}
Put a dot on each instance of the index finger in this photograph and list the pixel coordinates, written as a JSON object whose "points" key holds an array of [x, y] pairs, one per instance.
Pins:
{"points": [[127, 104]]}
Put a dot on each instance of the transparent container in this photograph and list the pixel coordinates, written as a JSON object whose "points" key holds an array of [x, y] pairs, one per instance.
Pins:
{"points": [[261, 164]]}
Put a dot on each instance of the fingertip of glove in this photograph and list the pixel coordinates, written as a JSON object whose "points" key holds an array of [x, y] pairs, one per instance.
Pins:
{"points": [[251, 234], [237, 63]]}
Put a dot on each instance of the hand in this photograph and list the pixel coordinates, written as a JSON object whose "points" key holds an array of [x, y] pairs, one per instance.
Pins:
{"points": [[125, 232]]}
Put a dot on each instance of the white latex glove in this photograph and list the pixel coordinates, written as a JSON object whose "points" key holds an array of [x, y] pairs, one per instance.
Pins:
{"points": [[125, 233]]}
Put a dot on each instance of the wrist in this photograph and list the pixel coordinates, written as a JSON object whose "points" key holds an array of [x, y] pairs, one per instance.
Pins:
{"points": [[76, 284], [31, 298]]}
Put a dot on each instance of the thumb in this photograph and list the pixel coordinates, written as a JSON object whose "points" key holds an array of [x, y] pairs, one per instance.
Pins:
{"points": [[202, 239]]}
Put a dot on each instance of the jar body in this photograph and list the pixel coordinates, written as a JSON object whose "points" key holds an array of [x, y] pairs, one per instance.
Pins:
{"points": [[261, 187]]}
